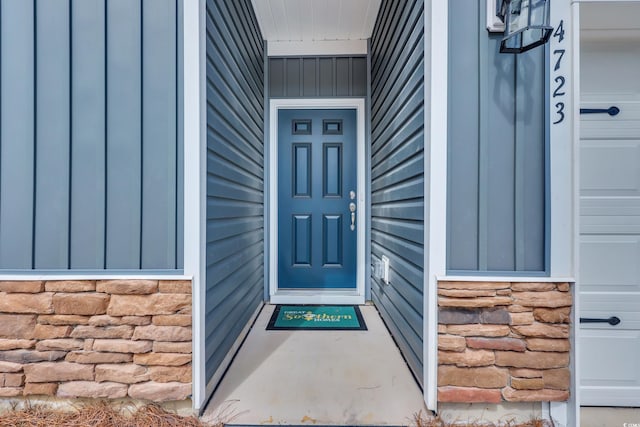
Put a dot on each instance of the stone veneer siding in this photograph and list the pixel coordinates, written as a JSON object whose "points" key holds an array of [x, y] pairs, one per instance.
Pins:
{"points": [[503, 342], [96, 339]]}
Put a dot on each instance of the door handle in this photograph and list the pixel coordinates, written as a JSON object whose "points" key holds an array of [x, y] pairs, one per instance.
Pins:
{"points": [[352, 209], [613, 320], [612, 111]]}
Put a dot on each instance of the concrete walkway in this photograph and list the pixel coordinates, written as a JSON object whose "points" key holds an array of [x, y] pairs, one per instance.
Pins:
{"points": [[317, 377]]}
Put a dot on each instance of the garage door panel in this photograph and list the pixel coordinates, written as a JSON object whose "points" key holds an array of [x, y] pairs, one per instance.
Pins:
{"points": [[599, 348], [610, 168], [602, 305], [610, 262], [625, 124]]}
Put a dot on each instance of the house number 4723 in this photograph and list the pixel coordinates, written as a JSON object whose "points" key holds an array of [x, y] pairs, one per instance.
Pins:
{"points": [[559, 79]]}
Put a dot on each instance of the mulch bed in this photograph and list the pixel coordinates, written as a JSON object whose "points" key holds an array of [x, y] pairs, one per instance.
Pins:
{"points": [[97, 415]]}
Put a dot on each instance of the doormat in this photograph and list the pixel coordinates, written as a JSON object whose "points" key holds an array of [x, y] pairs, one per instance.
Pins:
{"points": [[317, 317]]}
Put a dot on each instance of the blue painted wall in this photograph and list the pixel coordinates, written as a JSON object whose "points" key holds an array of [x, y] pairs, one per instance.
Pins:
{"points": [[397, 171], [496, 169], [235, 168], [89, 142]]}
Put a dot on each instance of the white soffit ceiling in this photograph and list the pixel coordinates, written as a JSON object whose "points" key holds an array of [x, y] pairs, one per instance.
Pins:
{"points": [[309, 24]]}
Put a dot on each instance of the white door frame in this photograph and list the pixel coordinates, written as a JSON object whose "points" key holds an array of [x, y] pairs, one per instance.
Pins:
{"points": [[282, 296]]}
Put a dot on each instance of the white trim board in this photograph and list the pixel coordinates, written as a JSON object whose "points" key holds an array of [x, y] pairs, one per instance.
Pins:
{"points": [[313, 297], [194, 182], [317, 47], [435, 192]]}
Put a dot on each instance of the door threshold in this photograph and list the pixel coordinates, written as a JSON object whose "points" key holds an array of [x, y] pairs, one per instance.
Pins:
{"points": [[317, 296]]}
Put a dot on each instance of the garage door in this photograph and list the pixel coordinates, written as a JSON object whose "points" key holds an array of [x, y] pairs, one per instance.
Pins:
{"points": [[610, 224]]}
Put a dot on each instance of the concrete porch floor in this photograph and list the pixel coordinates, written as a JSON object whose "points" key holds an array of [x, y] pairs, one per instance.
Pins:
{"points": [[317, 377]]}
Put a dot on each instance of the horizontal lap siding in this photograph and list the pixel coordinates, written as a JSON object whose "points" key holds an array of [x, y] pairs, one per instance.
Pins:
{"points": [[397, 171], [496, 159], [89, 143], [235, 168]]}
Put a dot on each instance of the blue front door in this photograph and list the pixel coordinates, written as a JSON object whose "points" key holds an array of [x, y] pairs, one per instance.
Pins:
{"points": [[317, 199]]}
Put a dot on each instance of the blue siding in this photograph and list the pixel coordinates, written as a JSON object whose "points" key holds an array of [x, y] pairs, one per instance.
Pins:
{"points": [[235, 168], [397, 171], [294, 77], [496, 169], [88, 135]]}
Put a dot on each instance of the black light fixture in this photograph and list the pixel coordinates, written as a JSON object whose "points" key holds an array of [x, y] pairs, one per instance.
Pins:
{"points": [[526, 24]]}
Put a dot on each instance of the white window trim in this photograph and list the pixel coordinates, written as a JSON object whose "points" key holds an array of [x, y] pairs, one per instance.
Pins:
{"points": [[316, 297]]}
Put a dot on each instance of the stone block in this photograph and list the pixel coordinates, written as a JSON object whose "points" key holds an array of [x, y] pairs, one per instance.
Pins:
{"points": [[171, 347], [520, 319], [532, 359], [26, 303], [503, 292], [122, 373], [166, 374], [31, 356], [128, 286], [70, 286], [12, 380], [10, 391], [468, 395], [474, 285], [86, 303], [122, 331], [466, 293], [95, 357], [507, 344], [532, 287], [160, 392], [479, 330], [42, 389], [94, 390], [516, 308], [174, 286], [553, 315], [557, 379], [544, 344], [549, 299], [139, 320], [563, 287], [63, 319], [495, 316], [10, 367], [48, 372], [442, 329], [122, 346], [466, 358], [162, 333], [162, 359], [451, 343], [544, 395], [485, 377], [458, 316], [541, 330], [525, 373], [43, 332], [22, 286], [172, 320], [65, 344], [527, 383], [142, 305], [16, 344], [18, 326], [474, 302]]}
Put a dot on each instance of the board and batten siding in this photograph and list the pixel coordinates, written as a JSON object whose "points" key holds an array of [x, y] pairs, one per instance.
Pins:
{"points": [[318, 76], [496, 150], [235, 174], [89, 135], [397, 171]]}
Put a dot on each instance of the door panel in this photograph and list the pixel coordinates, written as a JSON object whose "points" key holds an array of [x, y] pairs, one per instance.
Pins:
{"points": [[316, 177], [610, 229]]}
